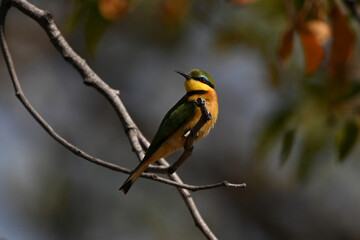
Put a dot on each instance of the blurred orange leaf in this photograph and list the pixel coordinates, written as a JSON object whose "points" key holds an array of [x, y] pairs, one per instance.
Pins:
{"points": [[172, 11], [346, 138], [313, 34], [287, 145], [320, 29], [112, 10], [343, 43], [286, 45]]}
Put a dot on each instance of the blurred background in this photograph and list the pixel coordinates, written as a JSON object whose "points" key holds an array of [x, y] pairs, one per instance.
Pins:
{"points": [[287, 78]]}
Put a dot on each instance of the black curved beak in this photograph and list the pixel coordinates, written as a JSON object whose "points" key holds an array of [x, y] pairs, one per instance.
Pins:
{"points": [[185, 75]]}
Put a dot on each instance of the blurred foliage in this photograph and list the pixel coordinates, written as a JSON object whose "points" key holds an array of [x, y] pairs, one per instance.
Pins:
{"points": [[309, 46], [287, 144], [346, 138]]}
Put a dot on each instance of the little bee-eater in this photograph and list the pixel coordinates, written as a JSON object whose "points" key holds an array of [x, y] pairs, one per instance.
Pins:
{"points": [[179, 120]]}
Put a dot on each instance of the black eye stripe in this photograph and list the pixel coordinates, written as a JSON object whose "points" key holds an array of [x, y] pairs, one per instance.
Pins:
{"points": [[204, 80]]}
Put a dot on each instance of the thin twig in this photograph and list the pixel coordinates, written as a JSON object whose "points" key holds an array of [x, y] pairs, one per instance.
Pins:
{"points": [[193, 188]]}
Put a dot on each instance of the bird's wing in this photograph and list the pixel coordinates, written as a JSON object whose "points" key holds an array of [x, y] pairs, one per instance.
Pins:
{"points": [[182, 112]]}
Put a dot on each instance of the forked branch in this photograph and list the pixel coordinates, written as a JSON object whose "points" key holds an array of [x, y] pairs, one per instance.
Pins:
{"points": [[137, 140]]}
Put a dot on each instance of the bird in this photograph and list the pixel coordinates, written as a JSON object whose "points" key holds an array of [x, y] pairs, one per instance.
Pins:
{"points": [[178, 121]]}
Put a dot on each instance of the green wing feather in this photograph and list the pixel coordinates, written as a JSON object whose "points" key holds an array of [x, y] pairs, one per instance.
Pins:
{"points": [[178, 115]]}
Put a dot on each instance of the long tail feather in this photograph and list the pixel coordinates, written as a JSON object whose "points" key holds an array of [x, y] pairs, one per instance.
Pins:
{"points": [[134, 176], [126, 186]]}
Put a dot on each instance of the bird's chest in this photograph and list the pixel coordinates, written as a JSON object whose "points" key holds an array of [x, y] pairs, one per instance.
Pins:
{"points": [[212, 107], [179, 138]]}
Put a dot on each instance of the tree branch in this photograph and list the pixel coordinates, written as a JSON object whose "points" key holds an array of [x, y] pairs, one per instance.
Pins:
{"points": [[137, 140]]}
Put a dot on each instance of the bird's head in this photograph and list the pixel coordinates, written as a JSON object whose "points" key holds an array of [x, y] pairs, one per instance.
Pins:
{"points": [[198, 80]]}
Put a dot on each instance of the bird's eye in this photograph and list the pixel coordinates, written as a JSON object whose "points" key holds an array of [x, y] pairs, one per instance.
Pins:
{"points": [[202, 79]]}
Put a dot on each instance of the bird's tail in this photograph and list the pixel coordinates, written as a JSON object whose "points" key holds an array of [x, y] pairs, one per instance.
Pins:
{"points": [[127, 185], [133, 177]]}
